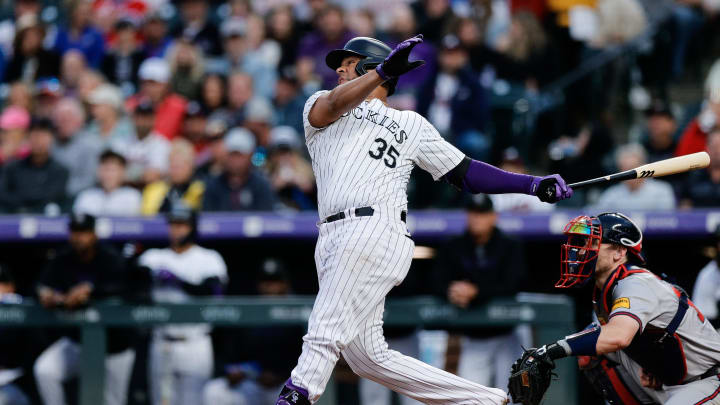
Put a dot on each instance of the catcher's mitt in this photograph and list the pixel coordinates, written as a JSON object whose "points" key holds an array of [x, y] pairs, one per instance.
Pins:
{"points": [[530, 376]]}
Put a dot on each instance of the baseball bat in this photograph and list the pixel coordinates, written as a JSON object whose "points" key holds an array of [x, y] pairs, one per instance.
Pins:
{"points": [[660, 168]]}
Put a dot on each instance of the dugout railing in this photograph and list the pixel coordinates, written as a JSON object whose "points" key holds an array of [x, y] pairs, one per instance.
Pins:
{"points": [[550, 317]]}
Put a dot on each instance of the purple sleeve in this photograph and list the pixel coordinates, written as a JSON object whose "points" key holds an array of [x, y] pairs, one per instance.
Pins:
{"points": [[484, 178]]}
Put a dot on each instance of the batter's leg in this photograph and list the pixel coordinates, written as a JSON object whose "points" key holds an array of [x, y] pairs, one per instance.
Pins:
{"points": [[369, 357], [372, 393]]}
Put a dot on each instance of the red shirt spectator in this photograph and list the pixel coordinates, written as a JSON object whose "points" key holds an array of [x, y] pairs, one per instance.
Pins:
{"points": [[154, 76]]}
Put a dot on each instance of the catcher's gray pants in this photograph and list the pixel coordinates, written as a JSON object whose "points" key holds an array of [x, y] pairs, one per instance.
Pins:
{"points": [[359, 260], [61, 362], [10, 394]]}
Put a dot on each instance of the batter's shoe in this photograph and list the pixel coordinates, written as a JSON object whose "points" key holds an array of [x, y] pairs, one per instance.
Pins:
{"points": [[292, 395]]}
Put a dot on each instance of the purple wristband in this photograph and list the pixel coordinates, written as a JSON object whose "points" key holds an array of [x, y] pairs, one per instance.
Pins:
{"points": [[484, 178], [382, 73]]}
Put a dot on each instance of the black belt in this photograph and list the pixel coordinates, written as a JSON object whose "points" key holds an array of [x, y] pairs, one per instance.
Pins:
{"points": [[360, 212], [713, 371]]}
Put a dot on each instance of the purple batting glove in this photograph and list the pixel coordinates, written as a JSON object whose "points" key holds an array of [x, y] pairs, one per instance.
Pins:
{"points": [[397, 62], [166, 276], [550, 189]]}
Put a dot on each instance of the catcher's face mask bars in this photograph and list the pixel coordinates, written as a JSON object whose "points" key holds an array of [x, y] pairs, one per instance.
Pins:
{"points": [[579, 255]]}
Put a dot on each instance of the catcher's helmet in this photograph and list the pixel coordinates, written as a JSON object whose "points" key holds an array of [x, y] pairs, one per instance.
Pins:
{"points": [[580, 253], [372, 51]]}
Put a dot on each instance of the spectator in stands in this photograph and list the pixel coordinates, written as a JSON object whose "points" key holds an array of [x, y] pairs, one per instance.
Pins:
{"points": [[288, 102], [30, 60], [290, 174], [213, 93], [256, 358], [110, 197], [283, 28], [14, 123], [17, 348], [110, 127], [195, 26], [147, 153], [239, 56], [8, 26], [181, 356], [194, 125], [48, 91], [83, 272], [72, 66], [433, 17], [20, 95], [481, 264], [694, 138], [454, 102], [239, 187], [661, 130], [512, 161], [638, 194], [88, 82], [122, 61], [36, 183], [706, 293], [74, 148], [155, 35], [215, 160], [180, 186], [618, 21], [169, 107], [258, 119], [404, 26], [702, 187], [80, 34], [240, 91], [187, 67], [330, 33]]}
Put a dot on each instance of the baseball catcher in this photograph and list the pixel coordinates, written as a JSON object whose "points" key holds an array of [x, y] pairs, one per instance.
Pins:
{"points": [[649, 334]]}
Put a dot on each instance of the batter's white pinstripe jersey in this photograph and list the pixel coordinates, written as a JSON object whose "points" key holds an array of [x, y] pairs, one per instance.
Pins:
{"points": [[365, 157]]}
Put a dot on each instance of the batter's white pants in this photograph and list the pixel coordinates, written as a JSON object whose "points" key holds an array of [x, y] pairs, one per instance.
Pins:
{"points": [[10, 394], [359, 260], [178, 370], [61, 362], [219, 392], [372, 393], [488, 361]]}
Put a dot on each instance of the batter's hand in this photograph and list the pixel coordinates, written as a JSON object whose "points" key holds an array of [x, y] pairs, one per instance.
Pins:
{"points": [[551, 189], [397, 62]]}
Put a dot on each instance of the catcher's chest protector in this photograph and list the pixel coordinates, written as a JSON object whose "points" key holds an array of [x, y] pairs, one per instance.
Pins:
{"points": [[657, 350]]}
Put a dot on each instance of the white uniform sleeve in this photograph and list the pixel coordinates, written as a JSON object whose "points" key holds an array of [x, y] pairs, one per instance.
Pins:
{"points": [[435, 155], [217, 267], [705, 293], [309, 129]]}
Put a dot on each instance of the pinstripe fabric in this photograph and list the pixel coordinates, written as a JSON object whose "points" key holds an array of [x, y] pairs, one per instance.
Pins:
{"points": [[365, 159]]}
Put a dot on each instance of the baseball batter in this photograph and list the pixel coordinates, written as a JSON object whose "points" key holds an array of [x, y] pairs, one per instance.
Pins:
{"points": [[362, 154], [648, 327]]}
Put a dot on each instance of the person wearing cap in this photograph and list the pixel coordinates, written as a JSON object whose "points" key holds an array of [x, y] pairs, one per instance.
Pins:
{"points": [[694, 137], [514, 202], [639, 194], [14, 123], [288, 102], [240, 187], [48, 91], [81, 273], [290, 174], [17, 345], [180, 186], [706, 293], [38, 182], [258, 119], [110, 197], [195, 125], [80, 34], [255, 359], [661, 130], [454, 101], [110, 127], [122, 61], [196, 26], [30, 61], [147, 153], [74, 148], [154, 75], [481, 264], [181, 356], [156, 39], [701, 188]]}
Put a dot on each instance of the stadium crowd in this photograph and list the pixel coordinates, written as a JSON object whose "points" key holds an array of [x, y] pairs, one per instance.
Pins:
{"points": [[145, 107]]}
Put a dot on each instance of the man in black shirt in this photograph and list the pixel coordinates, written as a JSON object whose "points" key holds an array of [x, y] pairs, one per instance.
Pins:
{"points": [[16, 348], [481, 264], [37, 182], [84, 272], [702, 187]]}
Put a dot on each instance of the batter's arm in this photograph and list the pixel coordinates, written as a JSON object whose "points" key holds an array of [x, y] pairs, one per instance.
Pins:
{"points": [[331, 106]]}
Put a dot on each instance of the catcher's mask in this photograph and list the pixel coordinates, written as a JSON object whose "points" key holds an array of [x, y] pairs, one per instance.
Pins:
{"points": [[579, 255]]}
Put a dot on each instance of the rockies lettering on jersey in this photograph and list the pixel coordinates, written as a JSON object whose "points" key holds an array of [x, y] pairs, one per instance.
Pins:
{"points": [[367, 155]]}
